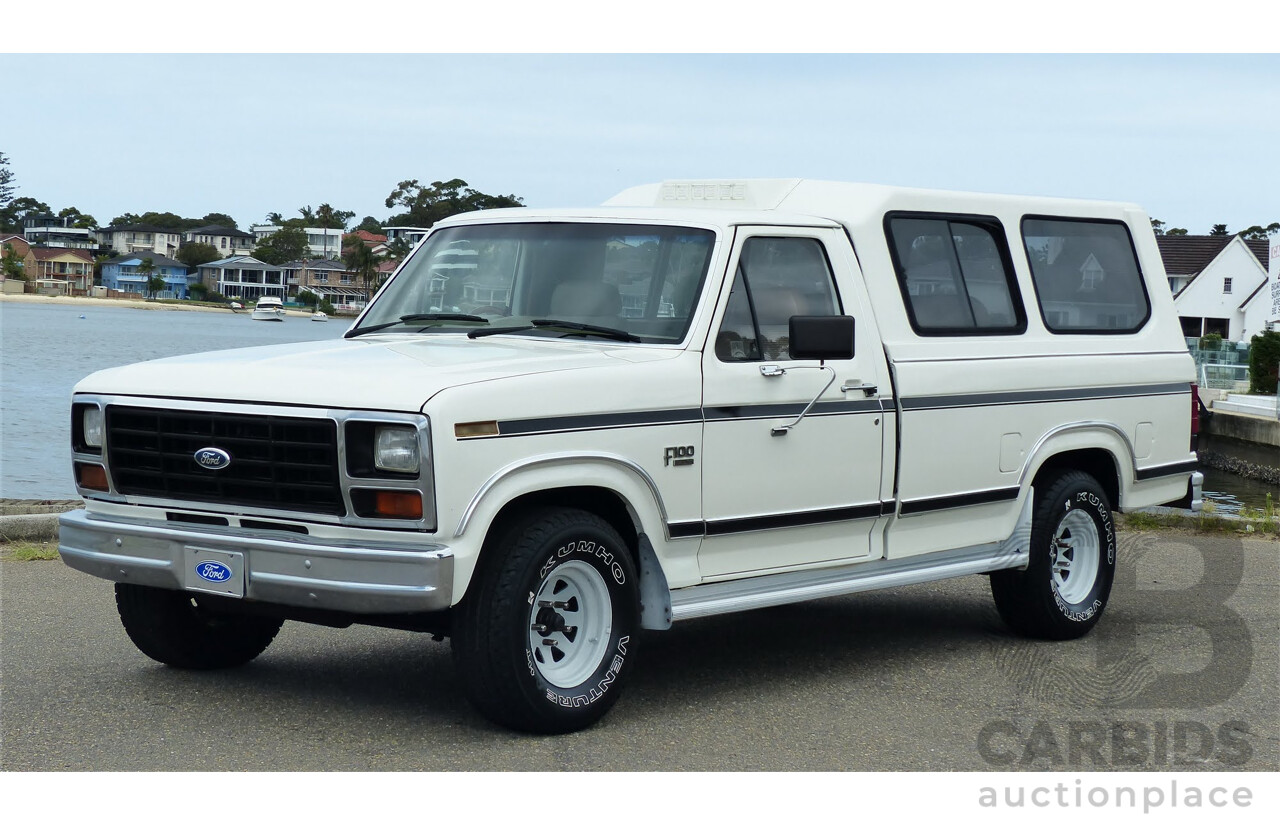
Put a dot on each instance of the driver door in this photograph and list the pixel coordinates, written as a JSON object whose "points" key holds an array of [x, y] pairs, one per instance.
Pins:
{"points": [[810, 494]]}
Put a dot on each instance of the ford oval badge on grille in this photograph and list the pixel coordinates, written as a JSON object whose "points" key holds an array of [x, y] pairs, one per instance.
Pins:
{"points": [[211, 458], [213, 571]]}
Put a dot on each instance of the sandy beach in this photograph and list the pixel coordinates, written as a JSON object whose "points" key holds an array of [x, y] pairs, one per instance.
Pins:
{"points": [[126, 302]]}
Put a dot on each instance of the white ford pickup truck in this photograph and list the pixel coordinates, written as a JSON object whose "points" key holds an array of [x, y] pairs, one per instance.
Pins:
{"points": [[552, 429]]}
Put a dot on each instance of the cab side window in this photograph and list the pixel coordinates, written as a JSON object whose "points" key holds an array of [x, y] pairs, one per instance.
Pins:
{"points": [[776, 279], [955, 274]]}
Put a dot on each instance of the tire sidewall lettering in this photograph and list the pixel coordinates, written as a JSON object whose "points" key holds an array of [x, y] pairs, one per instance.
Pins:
{"points": [[596, 686], [1100, 512], [596, 550]]}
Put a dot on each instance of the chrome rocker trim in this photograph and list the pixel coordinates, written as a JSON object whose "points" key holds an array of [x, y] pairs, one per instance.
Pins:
{"points": [[802, 585], [327, 576]]}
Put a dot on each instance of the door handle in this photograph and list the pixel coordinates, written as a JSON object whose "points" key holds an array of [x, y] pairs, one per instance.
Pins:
{"points": [[868, 390], [771, 370]]}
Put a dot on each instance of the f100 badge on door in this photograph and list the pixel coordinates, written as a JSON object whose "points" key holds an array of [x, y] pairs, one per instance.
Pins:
{"points": [[677, 456]]}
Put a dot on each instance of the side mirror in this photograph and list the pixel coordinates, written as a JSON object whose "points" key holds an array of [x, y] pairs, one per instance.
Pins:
{"points": [[821, 338]]}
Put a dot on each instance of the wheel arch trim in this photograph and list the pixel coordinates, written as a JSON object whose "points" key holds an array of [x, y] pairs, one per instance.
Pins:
{"points": [[628, 467], [1114, 441]]}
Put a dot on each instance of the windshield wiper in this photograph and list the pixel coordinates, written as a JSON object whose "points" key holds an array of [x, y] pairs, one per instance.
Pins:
{"points": [[589, 329], [421, 316], [481, 333]]}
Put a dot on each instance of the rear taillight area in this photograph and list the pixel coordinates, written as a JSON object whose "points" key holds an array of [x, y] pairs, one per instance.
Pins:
{"points": [[1196, 404]]}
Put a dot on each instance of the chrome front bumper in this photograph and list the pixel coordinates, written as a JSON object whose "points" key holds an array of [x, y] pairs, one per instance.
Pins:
{"points": [[277, 570]]}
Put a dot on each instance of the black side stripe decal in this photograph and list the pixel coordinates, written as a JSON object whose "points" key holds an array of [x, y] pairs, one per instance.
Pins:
{"points": [[1168, 470], [928, 505], [801, 518], [943, 402], [692, 415], [568, 423], [752, 411]]}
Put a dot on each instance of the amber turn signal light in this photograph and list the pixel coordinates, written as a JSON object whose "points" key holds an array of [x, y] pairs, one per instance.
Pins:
{"points": [[94, 477], [397, 504]]}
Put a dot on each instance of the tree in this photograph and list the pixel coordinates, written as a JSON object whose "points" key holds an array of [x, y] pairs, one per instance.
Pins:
{"points": [[398, 249], [428, 204], [1158, 227], [98, 261], [155, 284], [11, 216], [370, 224], [12, 266], [283, 245], [7, 186], [1219, 230], [164, 220], [1264, 362], [218, 219], [359, 258], [195, 254], [148, 268], [326, 217], [1260, 233], [79, 219], [275, 218]]}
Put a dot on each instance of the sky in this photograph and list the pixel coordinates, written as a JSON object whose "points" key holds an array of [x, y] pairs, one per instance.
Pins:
{"points": [[1191, 138]]}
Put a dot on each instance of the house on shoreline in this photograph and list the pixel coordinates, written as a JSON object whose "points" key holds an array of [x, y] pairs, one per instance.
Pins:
{"points": [[59, 271], [243, 278], [124, 273], [1218, 284]]}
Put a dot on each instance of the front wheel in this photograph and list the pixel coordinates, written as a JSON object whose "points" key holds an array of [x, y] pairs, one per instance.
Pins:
{"points": [[546, 634], [1063, 591], [178, 629]]}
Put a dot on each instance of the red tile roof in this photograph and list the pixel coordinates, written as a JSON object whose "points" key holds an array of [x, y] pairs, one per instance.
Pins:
{"points": [[366, 236], [48, 253]]}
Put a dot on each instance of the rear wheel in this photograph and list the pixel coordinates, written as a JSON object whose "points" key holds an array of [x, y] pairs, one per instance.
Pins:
{"points": [[1063, 591], [179, 629], [546, 635]]}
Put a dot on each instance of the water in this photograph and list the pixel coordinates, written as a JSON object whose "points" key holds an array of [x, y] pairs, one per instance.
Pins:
{"points": [[46, 348], [1231, 491]]}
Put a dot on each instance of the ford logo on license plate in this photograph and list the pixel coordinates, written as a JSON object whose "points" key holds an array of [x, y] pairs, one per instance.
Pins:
{"points": [[213, 571], [211, 458]]}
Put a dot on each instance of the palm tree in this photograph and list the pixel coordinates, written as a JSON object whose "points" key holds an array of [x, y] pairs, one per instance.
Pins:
{"points": [[326, 217], [361, 259], [147, 267]]}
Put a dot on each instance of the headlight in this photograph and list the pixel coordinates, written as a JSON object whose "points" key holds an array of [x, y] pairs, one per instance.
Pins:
{"points": [[395, 450], [91, 426]]}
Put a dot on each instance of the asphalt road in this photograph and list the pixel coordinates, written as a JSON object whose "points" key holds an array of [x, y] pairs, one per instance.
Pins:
{"points": [[1182, 674]]}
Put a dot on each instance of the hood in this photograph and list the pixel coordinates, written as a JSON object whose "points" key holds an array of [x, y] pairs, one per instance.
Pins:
{"points": [[377, 372]]}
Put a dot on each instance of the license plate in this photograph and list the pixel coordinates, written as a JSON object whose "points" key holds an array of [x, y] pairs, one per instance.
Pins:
{"points": [[214, 571]]}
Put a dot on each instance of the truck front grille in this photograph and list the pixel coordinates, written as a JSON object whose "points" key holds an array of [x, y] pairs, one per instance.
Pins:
{"points": [[276, 462]]}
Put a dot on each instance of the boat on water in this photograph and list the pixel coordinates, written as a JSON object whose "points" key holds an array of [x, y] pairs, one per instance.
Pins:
{"points": [[319, 316], [268, 309], [236, 306]]}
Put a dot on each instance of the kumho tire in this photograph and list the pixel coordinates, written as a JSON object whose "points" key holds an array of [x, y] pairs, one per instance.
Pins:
{"points": [[546, 635], [176, 628], [1065, 588]]}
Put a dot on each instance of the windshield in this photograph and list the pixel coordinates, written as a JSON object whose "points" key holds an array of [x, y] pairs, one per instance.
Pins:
{"points": [[621, 282]]}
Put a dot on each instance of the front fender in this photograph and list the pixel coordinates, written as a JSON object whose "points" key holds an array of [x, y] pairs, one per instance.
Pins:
{"points": [[614, 473]]}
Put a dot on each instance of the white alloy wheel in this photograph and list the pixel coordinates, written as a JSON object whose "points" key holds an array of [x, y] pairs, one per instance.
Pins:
{"points": [[1076, 549], [570, 623]]}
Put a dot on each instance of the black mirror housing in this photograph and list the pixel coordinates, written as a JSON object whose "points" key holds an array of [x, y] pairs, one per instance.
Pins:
{"points": [[821, 338]]}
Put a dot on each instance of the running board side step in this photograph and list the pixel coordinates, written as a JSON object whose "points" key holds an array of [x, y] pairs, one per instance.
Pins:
{"points": [[804, 585]]}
